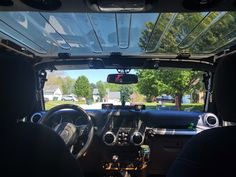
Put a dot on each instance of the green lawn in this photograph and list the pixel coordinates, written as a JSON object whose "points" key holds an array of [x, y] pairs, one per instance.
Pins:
{"points": [[51, 104], [191, 107], [153, 105]]}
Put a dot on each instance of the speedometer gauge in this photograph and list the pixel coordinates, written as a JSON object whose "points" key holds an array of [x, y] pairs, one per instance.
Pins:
{"points": [[80, 121], [66, 119]]}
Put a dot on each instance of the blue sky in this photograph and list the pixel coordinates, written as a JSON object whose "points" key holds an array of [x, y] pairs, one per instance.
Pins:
{"points": [[93, 75]]}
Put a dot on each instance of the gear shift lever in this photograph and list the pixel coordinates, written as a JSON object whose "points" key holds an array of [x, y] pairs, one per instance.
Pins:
{"points": [[115, 158], [124, 174]]}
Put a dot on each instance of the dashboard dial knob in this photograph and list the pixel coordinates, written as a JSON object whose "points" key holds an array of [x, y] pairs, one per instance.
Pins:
{"points": [[137, 138], [109, 138]]}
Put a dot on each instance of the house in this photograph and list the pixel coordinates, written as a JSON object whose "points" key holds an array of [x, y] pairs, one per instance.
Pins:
{"points": [[186, 99], [112, 97], [52, 92], [96, 97]]}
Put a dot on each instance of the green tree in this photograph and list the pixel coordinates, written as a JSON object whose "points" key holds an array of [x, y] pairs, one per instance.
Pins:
{"points": [[82, 87], [67, 85], [112, 87], [93, 86], [126, 91], [101, 89], [177, 83], [148, 84], [173, 82]]}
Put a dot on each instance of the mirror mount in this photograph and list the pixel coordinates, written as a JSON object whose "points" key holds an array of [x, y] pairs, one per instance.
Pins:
{"points": [[123, 71]]}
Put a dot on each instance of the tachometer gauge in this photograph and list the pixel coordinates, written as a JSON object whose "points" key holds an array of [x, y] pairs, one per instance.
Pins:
{"points": [[80, 121], [67, 119]]}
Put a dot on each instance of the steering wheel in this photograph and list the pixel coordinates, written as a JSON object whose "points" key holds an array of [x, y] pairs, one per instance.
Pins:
{"points": [[68, 131]]}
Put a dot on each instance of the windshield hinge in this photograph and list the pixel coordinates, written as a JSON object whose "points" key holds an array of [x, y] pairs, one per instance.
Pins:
{"points": [[123, 71], [207, 78], [42, 79]]}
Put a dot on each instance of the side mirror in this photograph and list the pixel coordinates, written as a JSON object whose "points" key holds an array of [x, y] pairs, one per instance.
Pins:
{"points": [[122, 78]]}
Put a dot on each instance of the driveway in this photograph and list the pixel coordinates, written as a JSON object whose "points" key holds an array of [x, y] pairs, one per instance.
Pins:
{"points": [[92, 106]]}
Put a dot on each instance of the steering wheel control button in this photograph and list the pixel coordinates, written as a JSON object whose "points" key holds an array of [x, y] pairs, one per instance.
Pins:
{"points": [[137, 138], [109, 138]]}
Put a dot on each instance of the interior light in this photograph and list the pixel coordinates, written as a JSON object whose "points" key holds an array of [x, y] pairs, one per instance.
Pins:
{"points": [[121, 5], [199, 4]]}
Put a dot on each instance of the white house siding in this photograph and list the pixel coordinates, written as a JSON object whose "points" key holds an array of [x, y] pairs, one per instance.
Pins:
{"points": [[58, 94], [53, 93]]}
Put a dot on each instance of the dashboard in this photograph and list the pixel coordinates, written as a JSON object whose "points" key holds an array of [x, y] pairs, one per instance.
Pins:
{"points": [[123, 135], [123, 129]]}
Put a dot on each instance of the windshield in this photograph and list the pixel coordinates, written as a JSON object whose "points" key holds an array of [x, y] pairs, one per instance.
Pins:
{"points": [[83, 34], [163, 89]]}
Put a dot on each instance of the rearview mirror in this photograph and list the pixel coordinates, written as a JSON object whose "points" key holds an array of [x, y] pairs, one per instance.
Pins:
{"points": [[122, 78]]}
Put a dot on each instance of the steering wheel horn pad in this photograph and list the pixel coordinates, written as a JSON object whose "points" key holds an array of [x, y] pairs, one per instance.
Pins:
{"points": [[68, 132]]}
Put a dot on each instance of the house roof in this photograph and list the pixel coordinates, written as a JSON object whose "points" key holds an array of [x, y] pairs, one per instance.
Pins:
{"points": [[95, 92], [50, 88]]}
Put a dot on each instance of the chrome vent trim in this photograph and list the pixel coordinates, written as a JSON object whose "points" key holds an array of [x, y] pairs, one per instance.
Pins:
{"points": [[207, 122], [114, 138], [36, 117], [137, 134]]}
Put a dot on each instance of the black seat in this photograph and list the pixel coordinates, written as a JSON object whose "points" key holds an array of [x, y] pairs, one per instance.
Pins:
{"points": [[212, 153], [28, 149]]}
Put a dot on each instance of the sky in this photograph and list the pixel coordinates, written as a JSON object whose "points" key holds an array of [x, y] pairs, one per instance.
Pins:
{"points": [[93, 75]]}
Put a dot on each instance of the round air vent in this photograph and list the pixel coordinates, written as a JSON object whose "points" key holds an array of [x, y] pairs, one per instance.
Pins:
{"points": [[137, 138], [36, 117], [109, 138], [43, 4], [211, 120]]}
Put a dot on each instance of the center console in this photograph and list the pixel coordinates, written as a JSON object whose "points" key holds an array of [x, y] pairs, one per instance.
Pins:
{"points": [[132, 165], [123, 131]]}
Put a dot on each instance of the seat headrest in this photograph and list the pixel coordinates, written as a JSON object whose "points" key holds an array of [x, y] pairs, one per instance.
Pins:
{"points": [[225, 89], [17, 88]]}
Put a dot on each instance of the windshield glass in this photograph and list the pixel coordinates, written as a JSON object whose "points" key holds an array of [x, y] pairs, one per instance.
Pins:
{"points": [[163, 89], [83, 34]]}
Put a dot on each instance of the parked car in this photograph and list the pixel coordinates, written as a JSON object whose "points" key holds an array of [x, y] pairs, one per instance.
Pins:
{"points": [[165, 98], [69, 98]]}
